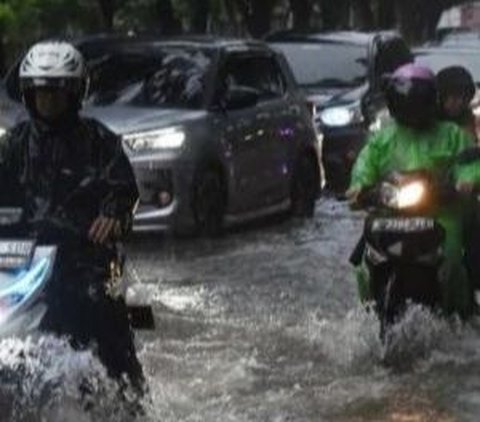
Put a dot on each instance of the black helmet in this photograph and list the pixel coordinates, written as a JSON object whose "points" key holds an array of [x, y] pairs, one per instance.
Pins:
{"points": [[455, 80], [412, 96]]}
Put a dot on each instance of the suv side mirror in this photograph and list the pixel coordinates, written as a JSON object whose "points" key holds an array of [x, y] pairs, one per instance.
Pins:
{"points": [[241, 97]]}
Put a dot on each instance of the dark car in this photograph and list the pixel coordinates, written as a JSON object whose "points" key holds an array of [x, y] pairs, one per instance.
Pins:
{"points": [[216, 129], [341, 73]]}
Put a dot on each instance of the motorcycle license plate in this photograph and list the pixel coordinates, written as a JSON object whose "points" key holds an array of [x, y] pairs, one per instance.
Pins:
{"points": [[16, 254], [403, 225]]}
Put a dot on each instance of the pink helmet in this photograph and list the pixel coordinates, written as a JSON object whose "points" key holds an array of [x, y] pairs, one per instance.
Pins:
{"points": [[414, 71], [412, 96]]}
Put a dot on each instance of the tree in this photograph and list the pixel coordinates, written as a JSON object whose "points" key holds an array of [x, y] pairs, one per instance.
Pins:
{"points": [[6, 17], [168, 22], [417, 19], [257, 15], [108, 8], [301, 11], [364, 13], [335, 13], [18, 26], [385, 14], [200, 10]]}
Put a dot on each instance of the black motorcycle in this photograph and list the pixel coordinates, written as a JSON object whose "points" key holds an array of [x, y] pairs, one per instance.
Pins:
{"points": [[28, 263], [402, 242]]}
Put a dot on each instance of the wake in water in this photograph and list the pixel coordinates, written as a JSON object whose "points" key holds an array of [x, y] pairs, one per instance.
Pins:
{"points": [[420, 338], [44, 379]]}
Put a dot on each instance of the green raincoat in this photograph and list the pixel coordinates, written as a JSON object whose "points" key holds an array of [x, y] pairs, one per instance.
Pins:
{"points": [[397, 148]]}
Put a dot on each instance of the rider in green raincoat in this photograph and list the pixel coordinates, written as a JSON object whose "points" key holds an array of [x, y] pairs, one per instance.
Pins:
{"points": [[414, 141]]}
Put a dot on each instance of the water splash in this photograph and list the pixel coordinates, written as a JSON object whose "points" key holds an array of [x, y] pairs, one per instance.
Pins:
{"points": [[44, 379], [418, 336], [349, 342], [419, 340]]}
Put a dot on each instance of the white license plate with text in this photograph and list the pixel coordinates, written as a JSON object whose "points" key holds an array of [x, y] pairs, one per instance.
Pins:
{"points": [[403, 225]]}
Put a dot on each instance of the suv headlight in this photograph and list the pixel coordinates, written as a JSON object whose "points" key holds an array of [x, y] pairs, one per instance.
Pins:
{"points": [[169, 138], [342, 116]]}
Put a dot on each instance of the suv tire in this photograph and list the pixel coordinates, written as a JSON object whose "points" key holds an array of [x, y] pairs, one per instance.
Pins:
{"points": [[208, 202]]}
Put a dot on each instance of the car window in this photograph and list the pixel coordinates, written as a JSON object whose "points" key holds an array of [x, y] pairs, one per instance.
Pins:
{"points": [[261, 73], [170, 78], [470, 39], [162, 77], [438, 59], [112, 76], [326, 64]]}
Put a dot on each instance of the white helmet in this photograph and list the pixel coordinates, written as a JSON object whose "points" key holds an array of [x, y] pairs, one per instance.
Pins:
{"points": [[54, 64]]}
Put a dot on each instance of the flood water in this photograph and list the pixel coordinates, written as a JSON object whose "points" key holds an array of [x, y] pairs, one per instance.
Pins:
{"points": [[262, 325]]}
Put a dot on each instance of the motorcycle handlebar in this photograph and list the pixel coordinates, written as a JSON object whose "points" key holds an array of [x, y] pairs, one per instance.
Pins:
{"points": [[369, 197], [53, 225]]}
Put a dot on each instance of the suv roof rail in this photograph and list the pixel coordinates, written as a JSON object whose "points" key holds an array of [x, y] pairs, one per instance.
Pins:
{"points": [[338, 35]]}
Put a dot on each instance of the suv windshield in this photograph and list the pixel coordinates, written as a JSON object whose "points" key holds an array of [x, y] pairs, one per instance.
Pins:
{"points": [[171, 77], [326, 64]]}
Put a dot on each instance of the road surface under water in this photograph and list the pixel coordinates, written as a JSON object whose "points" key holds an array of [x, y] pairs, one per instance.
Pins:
{"points": [[264, 325]]}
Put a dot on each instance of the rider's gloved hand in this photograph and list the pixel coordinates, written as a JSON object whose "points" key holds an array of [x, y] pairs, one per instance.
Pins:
{"points": [[103, 229]]}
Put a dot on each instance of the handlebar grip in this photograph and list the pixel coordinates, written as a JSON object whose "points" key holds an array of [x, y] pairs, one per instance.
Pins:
{"points": [[369, 197]]}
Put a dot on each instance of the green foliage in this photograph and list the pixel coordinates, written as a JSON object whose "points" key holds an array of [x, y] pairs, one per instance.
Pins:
{"points": [[25, 21], [7, 16]]}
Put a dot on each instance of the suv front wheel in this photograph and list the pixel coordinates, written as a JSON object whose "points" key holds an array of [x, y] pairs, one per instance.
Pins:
{"points": [[208, 202], [304, 187]]}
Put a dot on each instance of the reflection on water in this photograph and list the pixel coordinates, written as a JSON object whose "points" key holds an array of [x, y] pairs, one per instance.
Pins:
{"points": [[261, 326]]}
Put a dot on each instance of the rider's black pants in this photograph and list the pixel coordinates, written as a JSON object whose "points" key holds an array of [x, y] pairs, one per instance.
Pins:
{"points": [[472, 249], [80, 308]]}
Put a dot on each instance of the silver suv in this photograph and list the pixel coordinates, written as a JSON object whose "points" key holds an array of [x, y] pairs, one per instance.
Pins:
{"points": [[216, 130]]}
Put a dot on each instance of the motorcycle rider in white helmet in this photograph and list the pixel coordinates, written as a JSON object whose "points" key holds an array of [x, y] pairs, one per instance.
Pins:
{"points": [[44, 159]]}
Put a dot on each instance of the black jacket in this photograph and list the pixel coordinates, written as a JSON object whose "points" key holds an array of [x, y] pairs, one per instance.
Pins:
{"points": [[41, 169]]}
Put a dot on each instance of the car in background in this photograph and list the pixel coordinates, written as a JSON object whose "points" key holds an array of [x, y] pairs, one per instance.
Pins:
{"points": [[341, 74], [456, 39], [216, 129], [437, 58]]}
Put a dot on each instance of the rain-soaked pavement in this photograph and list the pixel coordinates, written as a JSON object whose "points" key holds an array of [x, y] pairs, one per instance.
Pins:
{"points": [[263, 325]]}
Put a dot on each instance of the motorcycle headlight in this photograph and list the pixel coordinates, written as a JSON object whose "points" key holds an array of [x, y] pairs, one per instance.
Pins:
{"points": [[342, 116], [406, 196], [170, 138]]}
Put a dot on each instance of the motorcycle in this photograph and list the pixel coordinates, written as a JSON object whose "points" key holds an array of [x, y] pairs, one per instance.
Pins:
{"points": [[402, 242], [27, 267]]}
